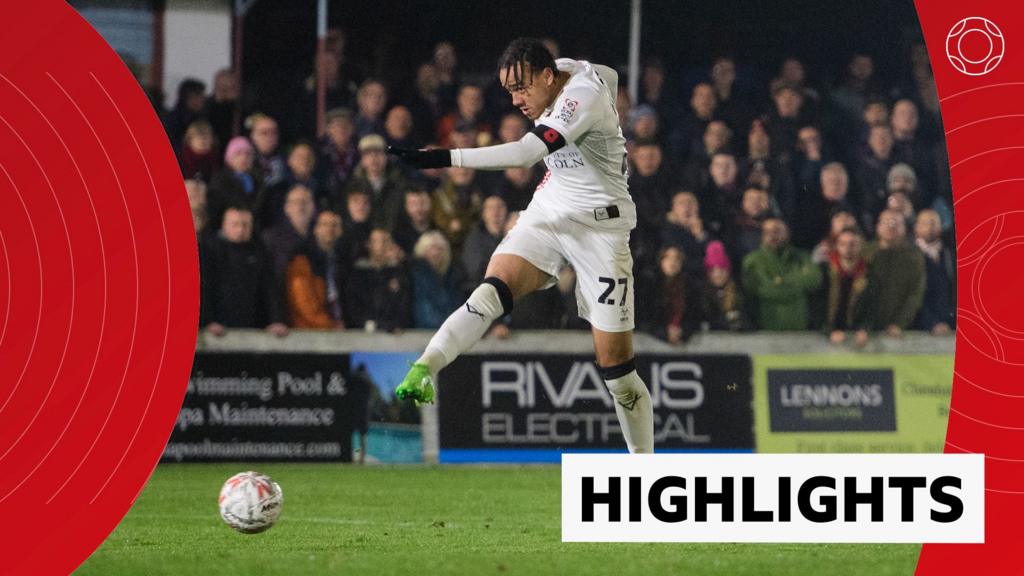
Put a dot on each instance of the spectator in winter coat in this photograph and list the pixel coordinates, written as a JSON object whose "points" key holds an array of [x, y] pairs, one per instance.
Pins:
{"points": [[317, 276], [484, 239], [414, 220], [723, 299], [897, 275], [938, 310], [777, 279], [436, 283], [236, 184], [379, 295], [269, 165], [284, 239], [670, 302], [238, 288], [199, 156]]}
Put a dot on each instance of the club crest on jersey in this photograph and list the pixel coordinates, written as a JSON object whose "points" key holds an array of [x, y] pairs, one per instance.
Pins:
{"points": [[568, 109]]}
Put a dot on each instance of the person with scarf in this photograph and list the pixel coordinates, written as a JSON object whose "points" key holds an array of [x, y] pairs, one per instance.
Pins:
{"points": [[199, 158], [269, 165], [338, 156], [846, 281]]}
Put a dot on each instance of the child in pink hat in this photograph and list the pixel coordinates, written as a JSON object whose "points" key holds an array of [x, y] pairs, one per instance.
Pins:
{"points": [[239, 145]]}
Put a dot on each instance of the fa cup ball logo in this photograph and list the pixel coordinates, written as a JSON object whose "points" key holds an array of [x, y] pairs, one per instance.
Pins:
{"points": [[975, 46]]}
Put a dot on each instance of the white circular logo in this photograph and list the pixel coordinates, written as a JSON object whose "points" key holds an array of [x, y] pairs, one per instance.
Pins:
{"points": [[975, 46]]}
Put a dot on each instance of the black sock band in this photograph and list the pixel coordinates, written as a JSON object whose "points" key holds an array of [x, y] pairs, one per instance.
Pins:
{"points": [[614, 372], [504, 293]]}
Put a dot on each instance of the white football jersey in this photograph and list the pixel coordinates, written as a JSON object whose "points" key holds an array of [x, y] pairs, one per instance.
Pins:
{"points": [[586, 179]]}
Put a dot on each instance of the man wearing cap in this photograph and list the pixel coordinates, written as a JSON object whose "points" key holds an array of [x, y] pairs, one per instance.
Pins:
{"points": [[580, 214], [381, 180], [338, 155]]}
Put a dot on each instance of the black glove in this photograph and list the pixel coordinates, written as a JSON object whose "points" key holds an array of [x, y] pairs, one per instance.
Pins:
{"points": [[439, 158]]}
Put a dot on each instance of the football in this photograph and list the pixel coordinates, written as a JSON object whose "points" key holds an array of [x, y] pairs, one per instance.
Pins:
{"points": [[250, 502]]}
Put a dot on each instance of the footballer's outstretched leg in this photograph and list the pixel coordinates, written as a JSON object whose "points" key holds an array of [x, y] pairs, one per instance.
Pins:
{"points": [[507, 278], [491, 300]]}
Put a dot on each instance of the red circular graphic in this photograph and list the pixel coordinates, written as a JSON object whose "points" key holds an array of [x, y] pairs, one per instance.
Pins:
{"points": [[98, 289]]}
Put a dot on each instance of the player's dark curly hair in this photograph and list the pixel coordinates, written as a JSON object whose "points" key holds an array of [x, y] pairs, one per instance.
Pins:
{"points": [[523, 51]]}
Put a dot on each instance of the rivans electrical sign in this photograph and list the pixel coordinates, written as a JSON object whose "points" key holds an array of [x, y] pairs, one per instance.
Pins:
{"points": [[531, 407]]}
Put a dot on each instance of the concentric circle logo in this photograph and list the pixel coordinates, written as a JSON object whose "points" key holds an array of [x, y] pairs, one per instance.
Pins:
{"points": [[975, 46]]}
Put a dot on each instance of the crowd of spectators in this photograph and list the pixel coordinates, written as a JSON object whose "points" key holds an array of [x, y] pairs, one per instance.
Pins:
{"points": [[784, 204]]}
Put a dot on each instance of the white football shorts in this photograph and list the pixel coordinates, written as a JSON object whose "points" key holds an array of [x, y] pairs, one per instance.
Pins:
{"points": [[601, 259]]}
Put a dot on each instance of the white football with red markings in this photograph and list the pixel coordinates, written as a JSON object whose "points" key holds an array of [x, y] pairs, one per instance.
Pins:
{"points": [[250, 502]]}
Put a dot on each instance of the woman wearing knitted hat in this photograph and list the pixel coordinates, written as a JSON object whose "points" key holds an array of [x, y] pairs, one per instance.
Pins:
{"points": [[235, 184], [723, 299]]}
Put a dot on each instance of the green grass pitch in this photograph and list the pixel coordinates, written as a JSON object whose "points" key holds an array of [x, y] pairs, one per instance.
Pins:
{"points": [[423, 520]]}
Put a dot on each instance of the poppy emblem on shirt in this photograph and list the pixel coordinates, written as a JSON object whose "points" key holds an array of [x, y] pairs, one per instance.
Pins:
{"points": [[550, 135]]}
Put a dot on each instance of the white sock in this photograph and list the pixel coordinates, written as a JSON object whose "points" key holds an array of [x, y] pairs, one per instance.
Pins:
{"points": [[464, 327], [635, 411]]}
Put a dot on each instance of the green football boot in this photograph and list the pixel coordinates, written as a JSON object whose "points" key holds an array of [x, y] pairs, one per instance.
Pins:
{"points": [[417, 386]]}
